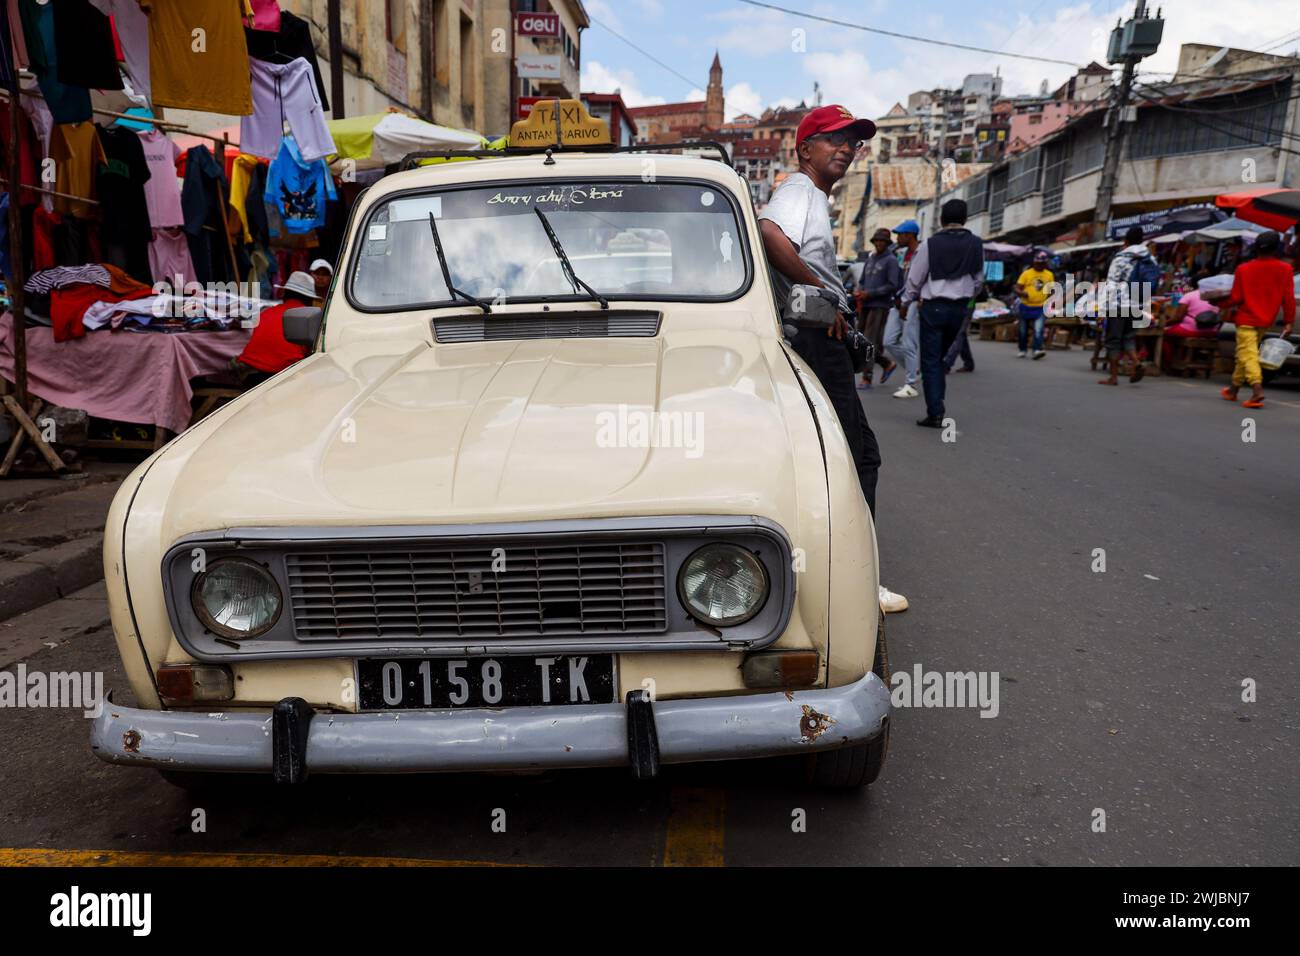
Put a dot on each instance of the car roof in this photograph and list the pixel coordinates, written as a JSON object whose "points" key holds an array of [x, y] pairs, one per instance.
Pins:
{"points": [[563, 165]]}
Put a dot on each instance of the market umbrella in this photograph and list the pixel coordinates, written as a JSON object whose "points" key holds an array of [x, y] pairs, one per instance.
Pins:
{"points": [[1231, 228], [1269, 206], [380, 139]]}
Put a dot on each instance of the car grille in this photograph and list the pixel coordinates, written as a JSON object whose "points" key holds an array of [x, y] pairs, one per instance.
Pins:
{"points": [[589, 588], [547, 325]]}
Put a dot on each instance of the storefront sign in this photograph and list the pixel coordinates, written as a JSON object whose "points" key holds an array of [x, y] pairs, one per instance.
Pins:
{"points": [[537, 24], [531, 66], [1175, 219]]}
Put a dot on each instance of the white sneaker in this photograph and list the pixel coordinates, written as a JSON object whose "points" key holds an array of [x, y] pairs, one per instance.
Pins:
{"points": [[1021, 354], [890, 602], [1039, 354], [907, 391]]}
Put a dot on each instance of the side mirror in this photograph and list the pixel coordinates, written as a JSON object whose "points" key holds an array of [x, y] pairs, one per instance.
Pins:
{"points": [[302, 325]]}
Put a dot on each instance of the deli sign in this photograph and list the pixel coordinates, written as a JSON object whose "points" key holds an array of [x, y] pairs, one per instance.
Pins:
{"points": [[537, 24]]}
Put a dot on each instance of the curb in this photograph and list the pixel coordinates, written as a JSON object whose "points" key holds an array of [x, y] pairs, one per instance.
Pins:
{"points": [[35, 579]]}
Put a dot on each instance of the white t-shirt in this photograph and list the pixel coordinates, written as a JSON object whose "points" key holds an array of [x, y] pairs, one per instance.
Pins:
{"points": [[802, 212]]}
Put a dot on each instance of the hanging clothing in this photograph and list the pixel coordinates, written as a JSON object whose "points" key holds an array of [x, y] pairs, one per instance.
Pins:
{"points": [[169, 258], [204, 205], [162, 192], [255, 206], [213, 77], [44, 223], [284, 93], [17, 38], [241, 179], [68, 104], [77, 156], [6, 267], [265, 15], [10, 53], [292, 41], [126, 232], [299, 188], [28, 157], [83, 37], [133, 32]]}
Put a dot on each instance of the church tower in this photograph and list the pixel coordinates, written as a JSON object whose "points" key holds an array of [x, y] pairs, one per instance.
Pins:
{"points": [[713, 107]]}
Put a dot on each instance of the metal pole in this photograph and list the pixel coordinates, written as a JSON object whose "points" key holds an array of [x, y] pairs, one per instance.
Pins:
{"points": [[938, 161], [1115, 130], [18, 276], [336, 59]]}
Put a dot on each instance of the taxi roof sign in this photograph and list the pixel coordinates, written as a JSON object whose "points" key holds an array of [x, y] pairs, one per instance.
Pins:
{"points": [[575, 126]]}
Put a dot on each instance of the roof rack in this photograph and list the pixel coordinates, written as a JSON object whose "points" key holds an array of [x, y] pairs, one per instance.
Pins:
{"points": [[411, 160]]}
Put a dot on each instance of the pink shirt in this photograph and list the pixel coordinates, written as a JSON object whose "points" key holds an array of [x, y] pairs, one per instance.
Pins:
{"points": [[1195, 306], [266, 15], [162, 192]]}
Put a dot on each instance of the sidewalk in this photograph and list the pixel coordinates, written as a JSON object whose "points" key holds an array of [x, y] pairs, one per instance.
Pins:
{"points": [[52, 534]]}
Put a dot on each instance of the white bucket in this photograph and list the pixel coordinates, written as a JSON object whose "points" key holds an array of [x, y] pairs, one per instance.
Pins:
{"points": [[1273, 352]]}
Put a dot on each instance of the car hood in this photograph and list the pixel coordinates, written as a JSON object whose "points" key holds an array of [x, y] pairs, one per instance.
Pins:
{"points": [[699, 421]]}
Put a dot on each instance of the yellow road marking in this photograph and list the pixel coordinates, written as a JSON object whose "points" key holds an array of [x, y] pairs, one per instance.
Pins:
{"points": [[16, 856], [695, 828]]}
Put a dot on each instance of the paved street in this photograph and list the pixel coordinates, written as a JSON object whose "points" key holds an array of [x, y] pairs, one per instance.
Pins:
{"points": [[1119, 691]]}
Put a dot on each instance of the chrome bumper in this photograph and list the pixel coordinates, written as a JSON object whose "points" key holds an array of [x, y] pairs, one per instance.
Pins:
{"points": [[517, 738]]}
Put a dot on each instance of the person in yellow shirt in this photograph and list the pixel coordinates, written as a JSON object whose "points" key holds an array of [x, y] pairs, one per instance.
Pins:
{"points": [[1033, 288]]}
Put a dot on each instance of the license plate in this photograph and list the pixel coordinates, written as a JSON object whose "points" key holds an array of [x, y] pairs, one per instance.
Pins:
{"points": [[416, 683]]}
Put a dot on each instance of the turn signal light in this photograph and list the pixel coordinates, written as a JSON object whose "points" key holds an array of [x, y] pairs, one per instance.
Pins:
{"points": [[782, 669], [194, 683]]}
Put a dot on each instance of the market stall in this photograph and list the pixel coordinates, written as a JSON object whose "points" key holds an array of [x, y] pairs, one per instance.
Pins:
{"points": [[139, 252]]}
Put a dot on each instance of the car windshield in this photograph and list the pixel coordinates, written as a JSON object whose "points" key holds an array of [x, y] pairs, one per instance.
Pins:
{"points": [[625, 239]]}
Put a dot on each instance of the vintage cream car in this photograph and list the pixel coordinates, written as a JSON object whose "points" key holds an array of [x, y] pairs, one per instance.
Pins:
{"points": [[579, 506]]}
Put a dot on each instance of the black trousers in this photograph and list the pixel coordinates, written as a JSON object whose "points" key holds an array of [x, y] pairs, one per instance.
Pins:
{"points": [[829, 359]]}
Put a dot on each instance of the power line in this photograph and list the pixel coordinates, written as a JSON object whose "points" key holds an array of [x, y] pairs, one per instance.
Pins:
{"points": [[906, 36], [1219, 129], [647, 55]]}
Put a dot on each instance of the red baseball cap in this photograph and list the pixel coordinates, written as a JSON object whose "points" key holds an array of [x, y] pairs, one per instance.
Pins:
{"points": [[828, 119]]}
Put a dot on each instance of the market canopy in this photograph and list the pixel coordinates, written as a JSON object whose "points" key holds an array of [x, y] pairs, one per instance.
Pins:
{"points": [[380, 139], [1270, 206], [1231, 228], [1065, 250], [1003, 250]]}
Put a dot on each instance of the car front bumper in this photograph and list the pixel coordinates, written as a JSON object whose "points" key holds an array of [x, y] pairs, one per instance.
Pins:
{"points": [[516, 738]]}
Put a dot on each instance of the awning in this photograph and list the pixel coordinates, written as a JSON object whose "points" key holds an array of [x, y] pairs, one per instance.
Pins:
{"points": [[1065, 249], [1269, 206]]}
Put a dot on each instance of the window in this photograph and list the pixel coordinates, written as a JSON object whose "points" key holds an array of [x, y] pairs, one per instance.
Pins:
{"points": [[468, 88], [1023, 174], [977, 195], [1035, 119], [625, 237], [396, 20], [1087, 150], [1234, 122]]}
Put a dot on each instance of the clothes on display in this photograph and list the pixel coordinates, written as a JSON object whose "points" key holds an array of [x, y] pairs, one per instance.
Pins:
{"points": [[203, 203], [133, 35], [77, 155], [299, 189], [265, 15], [291, 42], [87, 53], [284, 93], [169, 257], [126, 232], [60, 277], [162, 192], [195, 70], [68, 104]]}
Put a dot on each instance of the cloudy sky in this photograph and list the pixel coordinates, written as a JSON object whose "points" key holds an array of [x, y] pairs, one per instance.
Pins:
{"points": [[766, 62]]}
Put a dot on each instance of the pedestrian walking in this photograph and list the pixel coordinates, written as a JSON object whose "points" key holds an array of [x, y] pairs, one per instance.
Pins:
{"points": [[1261, 288], [946, 274], [796, 231], [902, 327], [1130, 282], [1033, 288], [882, 280], [961, 347]]}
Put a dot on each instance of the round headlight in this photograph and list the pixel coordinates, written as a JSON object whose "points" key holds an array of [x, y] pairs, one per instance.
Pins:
{"points": [[722, 584], [236, 598]]}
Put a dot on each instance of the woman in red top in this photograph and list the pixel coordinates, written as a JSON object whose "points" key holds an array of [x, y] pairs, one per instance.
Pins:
{"points": [[1260, 288]]}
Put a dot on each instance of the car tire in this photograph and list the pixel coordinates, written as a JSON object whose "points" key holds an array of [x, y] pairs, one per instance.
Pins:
{"points": [[857, 766]]}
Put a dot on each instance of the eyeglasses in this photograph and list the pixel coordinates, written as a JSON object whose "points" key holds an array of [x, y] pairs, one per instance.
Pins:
{"points": [[840, 138]]}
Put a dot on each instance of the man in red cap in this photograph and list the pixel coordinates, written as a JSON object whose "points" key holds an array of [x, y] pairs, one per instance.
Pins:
{"points": [[796, 228]]}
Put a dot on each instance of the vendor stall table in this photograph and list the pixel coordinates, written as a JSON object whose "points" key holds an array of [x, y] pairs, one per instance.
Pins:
{"points": [[141, 377]]}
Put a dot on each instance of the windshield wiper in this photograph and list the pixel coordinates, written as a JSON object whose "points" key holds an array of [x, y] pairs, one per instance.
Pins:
{"points": [[566, 264], [446, 273]]}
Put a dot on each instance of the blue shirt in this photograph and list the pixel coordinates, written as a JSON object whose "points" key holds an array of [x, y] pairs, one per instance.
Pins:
{"points": [[298, 189]]}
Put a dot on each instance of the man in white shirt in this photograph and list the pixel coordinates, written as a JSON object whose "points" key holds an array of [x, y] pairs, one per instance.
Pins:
{"points": [[796, 228]]}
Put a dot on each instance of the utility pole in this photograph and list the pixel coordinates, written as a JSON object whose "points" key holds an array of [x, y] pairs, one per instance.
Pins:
{"points": [[1137, 39], [939, 157]]}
